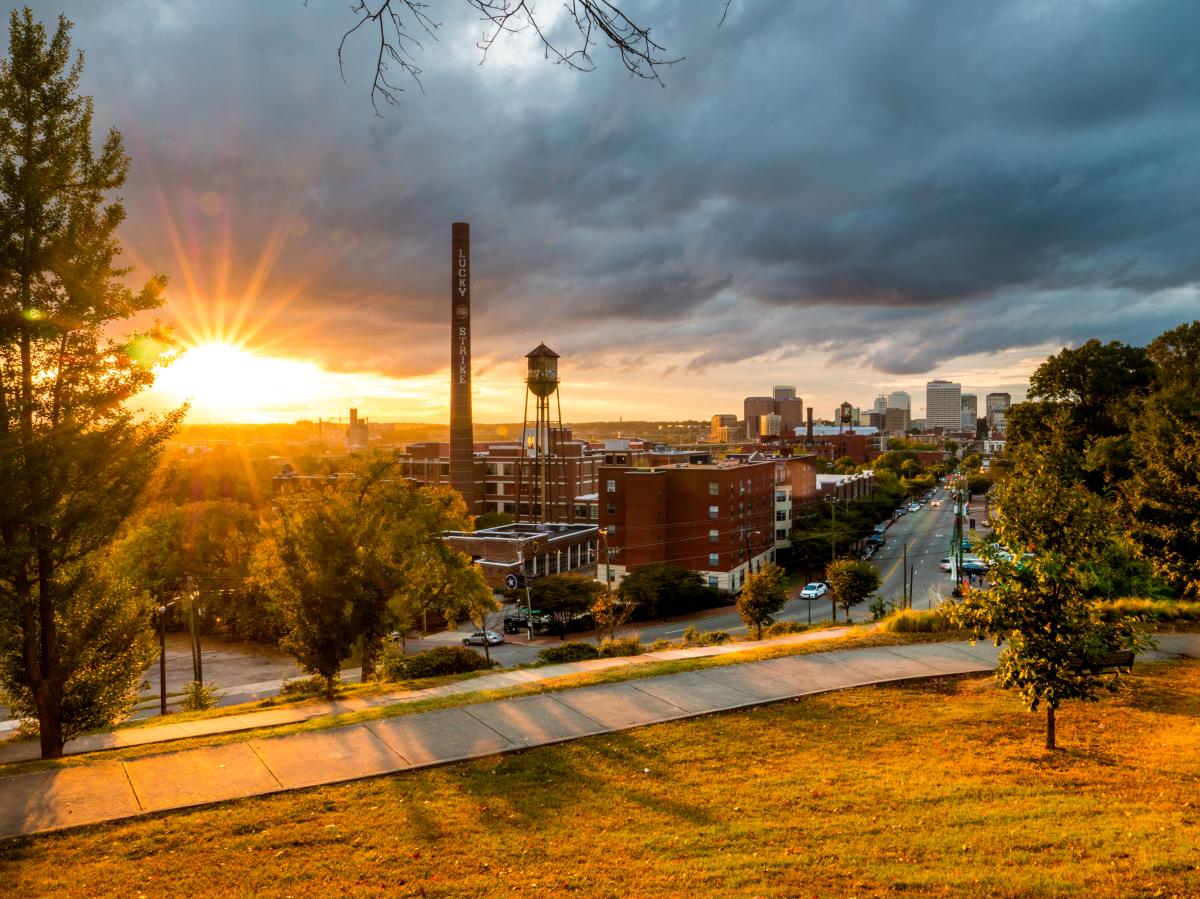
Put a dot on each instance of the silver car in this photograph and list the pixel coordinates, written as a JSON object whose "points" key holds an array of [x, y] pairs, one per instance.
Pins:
{"points": [[483, 638]]}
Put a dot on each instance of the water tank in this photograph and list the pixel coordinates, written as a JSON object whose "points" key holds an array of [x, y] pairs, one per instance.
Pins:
{"points": [[542, 377]]}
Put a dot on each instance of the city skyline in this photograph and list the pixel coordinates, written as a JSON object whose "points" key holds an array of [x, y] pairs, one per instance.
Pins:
{"points": [[860, 237]]}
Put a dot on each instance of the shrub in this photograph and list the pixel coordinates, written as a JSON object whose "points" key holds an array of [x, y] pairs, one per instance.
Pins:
{"points": [[436, 663], [917, 621], [712, 638], [781, 628], [690, 635], [1149, 609], [623, 646], [660, 644], [198, 696], [574, 651], [304, 686]]}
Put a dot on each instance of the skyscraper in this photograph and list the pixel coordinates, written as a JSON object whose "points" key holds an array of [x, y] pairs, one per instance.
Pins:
{"points": [[881, 403], [970, 411], [753, 407], [783, 392], [899, 399], [996, 409], [943, 406]]}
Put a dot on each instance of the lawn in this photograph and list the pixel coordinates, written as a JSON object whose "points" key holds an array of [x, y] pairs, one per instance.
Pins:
{"points": [[937, 788]]}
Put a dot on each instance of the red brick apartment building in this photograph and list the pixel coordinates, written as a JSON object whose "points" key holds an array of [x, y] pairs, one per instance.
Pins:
{"points": [[717, 519]]}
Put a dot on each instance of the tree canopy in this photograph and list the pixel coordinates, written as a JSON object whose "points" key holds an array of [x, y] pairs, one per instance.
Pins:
{"points": [[73, 457]]}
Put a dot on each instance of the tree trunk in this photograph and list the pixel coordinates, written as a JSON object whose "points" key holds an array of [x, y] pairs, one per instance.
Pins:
{"points": [[370, 642], [833, 605], [50, 733], [1050, 727]]}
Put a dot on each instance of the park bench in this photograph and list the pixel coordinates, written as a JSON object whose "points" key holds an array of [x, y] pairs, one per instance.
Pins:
{"points": [[1109, 663]]}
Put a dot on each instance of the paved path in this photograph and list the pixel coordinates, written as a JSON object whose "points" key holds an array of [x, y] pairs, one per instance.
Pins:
{"points": [[112, 789]]}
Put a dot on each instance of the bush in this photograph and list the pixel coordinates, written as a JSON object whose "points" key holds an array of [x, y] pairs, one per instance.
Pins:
{"points": [[916, 621], [435, 663], [1149, 609], [624, 646], [660, 644], [782, 628], [197, 696], [706, 638], [574, 651], [304, 686]]}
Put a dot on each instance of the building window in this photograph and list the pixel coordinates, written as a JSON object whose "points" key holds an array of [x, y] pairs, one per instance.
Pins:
{"points": [[781, 497], [781, 534], [714, 536], [612, 508], [490, 469], [781, 515], [612, 486], [714, 489], [714, 560], [713, 581], [611, 529], [714, 511]]}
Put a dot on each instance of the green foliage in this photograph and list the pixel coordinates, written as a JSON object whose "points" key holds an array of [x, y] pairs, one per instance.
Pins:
{"points": [[348, 560], [659, 645], [73, 457], [436, 662], [917, 621], [661, 590], [1148, 609], [783, 628], [1040, 610], [762, 596], [694, 637], [1162, 499], [104, 644], [303, 686], [573, 651], [850, 582], [564, 598], [881, 608], [621, 646], [197, 696]]}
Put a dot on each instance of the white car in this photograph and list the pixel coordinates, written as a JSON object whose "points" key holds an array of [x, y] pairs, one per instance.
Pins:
{"points": [[914, 507], [813, 590], [481, 638]]}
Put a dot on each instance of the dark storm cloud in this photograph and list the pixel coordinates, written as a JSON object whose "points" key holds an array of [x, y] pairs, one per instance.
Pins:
{"points": [[837, 176]]}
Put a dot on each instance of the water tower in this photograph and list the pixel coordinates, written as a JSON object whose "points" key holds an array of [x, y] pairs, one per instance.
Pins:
{"points": [[539, 480]]}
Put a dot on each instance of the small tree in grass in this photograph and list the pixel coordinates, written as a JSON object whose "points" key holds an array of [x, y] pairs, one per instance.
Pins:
{"points": [[850, 581], [763, 595], [564, 597], [1037, 606]]}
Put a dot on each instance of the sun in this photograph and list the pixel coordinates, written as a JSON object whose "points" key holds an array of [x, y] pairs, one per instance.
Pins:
{"points": [[226, 382]]}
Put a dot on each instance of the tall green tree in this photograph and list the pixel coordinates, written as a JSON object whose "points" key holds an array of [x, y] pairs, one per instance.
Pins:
{"points": [[1162, 498], [564, 597], [1039, 608], [663, 589], [762, 596], [73, 457], [850, 581]]}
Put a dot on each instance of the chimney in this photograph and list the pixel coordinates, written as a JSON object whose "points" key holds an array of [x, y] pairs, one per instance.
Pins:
{"points": [[462, 440], [809, 419]]}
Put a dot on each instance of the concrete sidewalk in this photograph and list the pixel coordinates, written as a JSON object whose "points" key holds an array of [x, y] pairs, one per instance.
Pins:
{"points": [[294, 714], [114, 789]]}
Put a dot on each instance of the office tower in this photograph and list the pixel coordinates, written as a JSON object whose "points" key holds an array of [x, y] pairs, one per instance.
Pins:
{"points": [[783, 392], [970, 411], [753, 407], [899, 399], [943, 406], [881, 403]]}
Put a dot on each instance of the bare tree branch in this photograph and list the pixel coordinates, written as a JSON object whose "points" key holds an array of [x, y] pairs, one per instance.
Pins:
{"points": [[393, 22]]}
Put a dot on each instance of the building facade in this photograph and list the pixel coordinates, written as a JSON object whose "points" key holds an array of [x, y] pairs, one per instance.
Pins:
{"points": [[717, 519], [899, 399], [943, 406], [970, 411]]}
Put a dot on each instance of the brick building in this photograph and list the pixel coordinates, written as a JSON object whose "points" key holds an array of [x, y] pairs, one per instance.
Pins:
{"points": [[717, 519]]}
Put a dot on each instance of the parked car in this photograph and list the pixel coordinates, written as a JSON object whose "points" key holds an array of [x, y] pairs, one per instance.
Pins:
{"points": [[900, 511], [974, 566], [914, 507], [814, 590], [946, 565], [483, 638], [880, 528]]}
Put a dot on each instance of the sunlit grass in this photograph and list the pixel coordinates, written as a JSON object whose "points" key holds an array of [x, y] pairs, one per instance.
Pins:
{"points": [[941, 788]]}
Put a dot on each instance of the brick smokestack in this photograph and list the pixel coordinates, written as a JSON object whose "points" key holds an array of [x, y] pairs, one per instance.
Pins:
{"points": [[809, 431], [462, 434]]}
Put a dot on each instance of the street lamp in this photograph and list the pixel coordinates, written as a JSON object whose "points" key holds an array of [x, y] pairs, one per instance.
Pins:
{"points": [[162, 657], [746, 535], [833, 501]]}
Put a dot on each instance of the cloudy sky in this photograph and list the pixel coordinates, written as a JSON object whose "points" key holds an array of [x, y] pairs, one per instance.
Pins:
{"points": [[847, 196]]}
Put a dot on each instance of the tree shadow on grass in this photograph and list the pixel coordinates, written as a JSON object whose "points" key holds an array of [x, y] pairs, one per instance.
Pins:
{"points": [[536, 785]]}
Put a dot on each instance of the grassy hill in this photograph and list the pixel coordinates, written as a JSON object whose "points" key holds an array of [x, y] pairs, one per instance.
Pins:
{"points": [[939, 788]]}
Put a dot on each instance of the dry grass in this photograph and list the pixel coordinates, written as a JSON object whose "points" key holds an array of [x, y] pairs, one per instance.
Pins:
{"points": [[934, 789]]}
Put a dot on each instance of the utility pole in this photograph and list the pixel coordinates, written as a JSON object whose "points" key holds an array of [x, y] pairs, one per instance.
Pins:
{"points": [[904, 579], [162, 660]]}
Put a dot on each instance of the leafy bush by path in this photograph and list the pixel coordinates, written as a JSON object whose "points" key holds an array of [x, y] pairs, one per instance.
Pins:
{"points": [[660, 644], [623, 646], [435, 663], [694, 637], [197, 696], [1150, 609], [917, 621], [783, 628], [574, 651]]}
